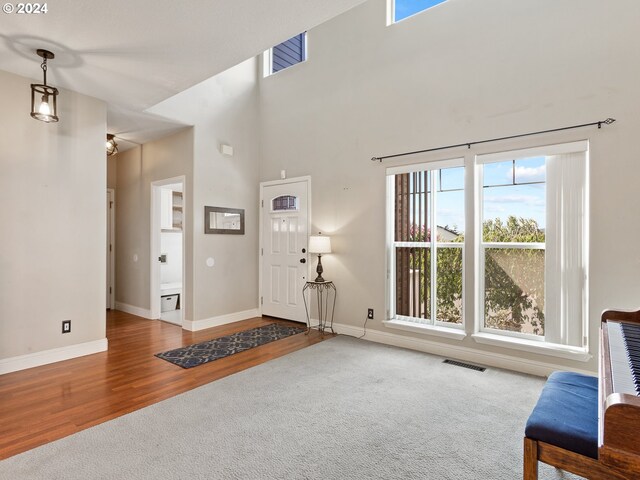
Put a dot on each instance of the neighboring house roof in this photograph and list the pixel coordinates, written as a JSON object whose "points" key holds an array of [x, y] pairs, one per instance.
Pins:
{"points": [[447, 233]]}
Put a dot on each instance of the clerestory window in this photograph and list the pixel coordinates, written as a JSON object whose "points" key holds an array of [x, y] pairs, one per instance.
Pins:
{"points": [[401, 9], [286, 54]]}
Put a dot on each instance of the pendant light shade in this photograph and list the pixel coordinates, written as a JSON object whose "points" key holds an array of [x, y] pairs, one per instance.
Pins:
{"points": [[44, 98], [112, 146]]}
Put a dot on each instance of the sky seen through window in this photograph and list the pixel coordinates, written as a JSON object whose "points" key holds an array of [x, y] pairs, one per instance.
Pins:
{"points": [[406, 8]]}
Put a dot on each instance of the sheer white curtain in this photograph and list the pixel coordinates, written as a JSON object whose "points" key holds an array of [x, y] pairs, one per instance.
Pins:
{"points": [[566, 248]]}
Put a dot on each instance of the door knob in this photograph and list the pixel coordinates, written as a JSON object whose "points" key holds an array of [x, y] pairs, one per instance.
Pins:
{"points": [[303, 260]]}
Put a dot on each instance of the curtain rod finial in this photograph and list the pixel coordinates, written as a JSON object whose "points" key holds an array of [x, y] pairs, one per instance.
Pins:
{"points": [[609, 121], [376, 159]]}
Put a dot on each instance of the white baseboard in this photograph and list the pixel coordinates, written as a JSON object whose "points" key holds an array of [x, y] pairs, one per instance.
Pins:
{"points": [[458, 352], [195, 325], [22, 362], [140, 312]]}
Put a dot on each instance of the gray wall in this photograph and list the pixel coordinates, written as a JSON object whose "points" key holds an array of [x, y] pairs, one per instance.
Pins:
{"points": [[223, 109], [464, 71], [52, 245], [165, 158]]}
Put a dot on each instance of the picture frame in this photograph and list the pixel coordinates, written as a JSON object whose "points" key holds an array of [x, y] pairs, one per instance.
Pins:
{"points": [[223, 220]]}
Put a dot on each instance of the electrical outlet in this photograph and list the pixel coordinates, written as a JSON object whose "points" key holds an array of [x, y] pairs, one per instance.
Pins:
{"points": [[66, 326], [370, 313]]}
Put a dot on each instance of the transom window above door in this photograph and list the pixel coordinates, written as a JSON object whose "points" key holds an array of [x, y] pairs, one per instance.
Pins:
{"points": [[284, 203]]}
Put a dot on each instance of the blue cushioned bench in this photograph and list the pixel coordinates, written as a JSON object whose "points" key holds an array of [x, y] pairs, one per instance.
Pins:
{"points": [[562, 430]]}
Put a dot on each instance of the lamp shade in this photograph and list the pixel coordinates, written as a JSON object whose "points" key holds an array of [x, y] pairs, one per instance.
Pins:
{"points": [[319, 244]]}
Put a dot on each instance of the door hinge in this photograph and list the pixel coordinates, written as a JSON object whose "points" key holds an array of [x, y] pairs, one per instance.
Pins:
{"points": [[262, 203], [261, 300], [111, 204], [110, 249], [262, 251], [109, 289]]}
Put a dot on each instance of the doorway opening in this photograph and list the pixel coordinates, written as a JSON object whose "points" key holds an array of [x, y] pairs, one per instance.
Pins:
{"points": [[167, 250]]}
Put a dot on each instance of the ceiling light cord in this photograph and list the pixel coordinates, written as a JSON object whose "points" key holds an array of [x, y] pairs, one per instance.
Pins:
{"points": [[43, 66]]}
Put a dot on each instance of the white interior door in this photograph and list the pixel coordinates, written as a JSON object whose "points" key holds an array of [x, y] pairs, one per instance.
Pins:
{"points": [[285, 218]]}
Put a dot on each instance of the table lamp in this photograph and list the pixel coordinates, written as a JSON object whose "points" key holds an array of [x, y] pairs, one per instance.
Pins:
{"points": [[319, 244]]}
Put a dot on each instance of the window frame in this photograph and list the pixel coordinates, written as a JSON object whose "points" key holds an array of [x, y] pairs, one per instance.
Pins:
{"points": [[473, 302], [267, 57], [524, 341], [391, 12], [433, 325], [482, 246]]}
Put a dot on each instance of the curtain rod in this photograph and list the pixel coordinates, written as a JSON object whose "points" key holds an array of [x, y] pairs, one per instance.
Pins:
{"points": [[599, 123]]}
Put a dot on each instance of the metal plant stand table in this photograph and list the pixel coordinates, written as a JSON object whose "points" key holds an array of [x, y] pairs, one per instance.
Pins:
{"points": [[323, 294]]}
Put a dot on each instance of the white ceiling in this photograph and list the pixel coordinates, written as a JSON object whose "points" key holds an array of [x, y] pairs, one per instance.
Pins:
{"points": [[135, 53]]}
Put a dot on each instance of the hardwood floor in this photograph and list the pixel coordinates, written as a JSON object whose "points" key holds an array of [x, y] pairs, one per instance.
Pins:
{"points": [[46, 403]]}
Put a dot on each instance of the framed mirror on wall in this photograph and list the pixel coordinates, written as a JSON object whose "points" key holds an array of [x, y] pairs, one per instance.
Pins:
{"points": [[224, 220]]}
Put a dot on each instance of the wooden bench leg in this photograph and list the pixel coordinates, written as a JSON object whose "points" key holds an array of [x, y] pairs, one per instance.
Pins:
{"points": [[530, 457]]}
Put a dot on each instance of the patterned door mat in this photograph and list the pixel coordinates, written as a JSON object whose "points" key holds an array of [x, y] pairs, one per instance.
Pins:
{"points": [[205, 352]]}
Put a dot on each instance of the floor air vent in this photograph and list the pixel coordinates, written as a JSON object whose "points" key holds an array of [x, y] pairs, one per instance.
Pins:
{"points": [[465, 365]]}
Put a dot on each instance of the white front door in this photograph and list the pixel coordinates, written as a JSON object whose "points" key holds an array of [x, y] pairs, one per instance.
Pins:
{"points": [[285, 219]]}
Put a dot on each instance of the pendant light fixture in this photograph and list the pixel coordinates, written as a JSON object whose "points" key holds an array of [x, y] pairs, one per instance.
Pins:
{"points": [[112, 146], [44, 106]]}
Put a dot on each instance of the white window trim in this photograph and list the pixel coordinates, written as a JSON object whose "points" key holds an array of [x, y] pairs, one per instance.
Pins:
{"points": [[533, 346], [437, 328], [515, 245], [391, 12], [455, 331], [419, 167], [547, 150], [267, 63]]}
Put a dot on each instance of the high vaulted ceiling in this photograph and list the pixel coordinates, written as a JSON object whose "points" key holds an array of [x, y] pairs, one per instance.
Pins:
{"points": [[135, 53]]}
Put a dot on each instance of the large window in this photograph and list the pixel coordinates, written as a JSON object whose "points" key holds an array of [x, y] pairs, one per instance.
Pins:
{"points": [[402, 9], [513, 245], [533, 243], [529, 212], [427, 219], [286, 54]]}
